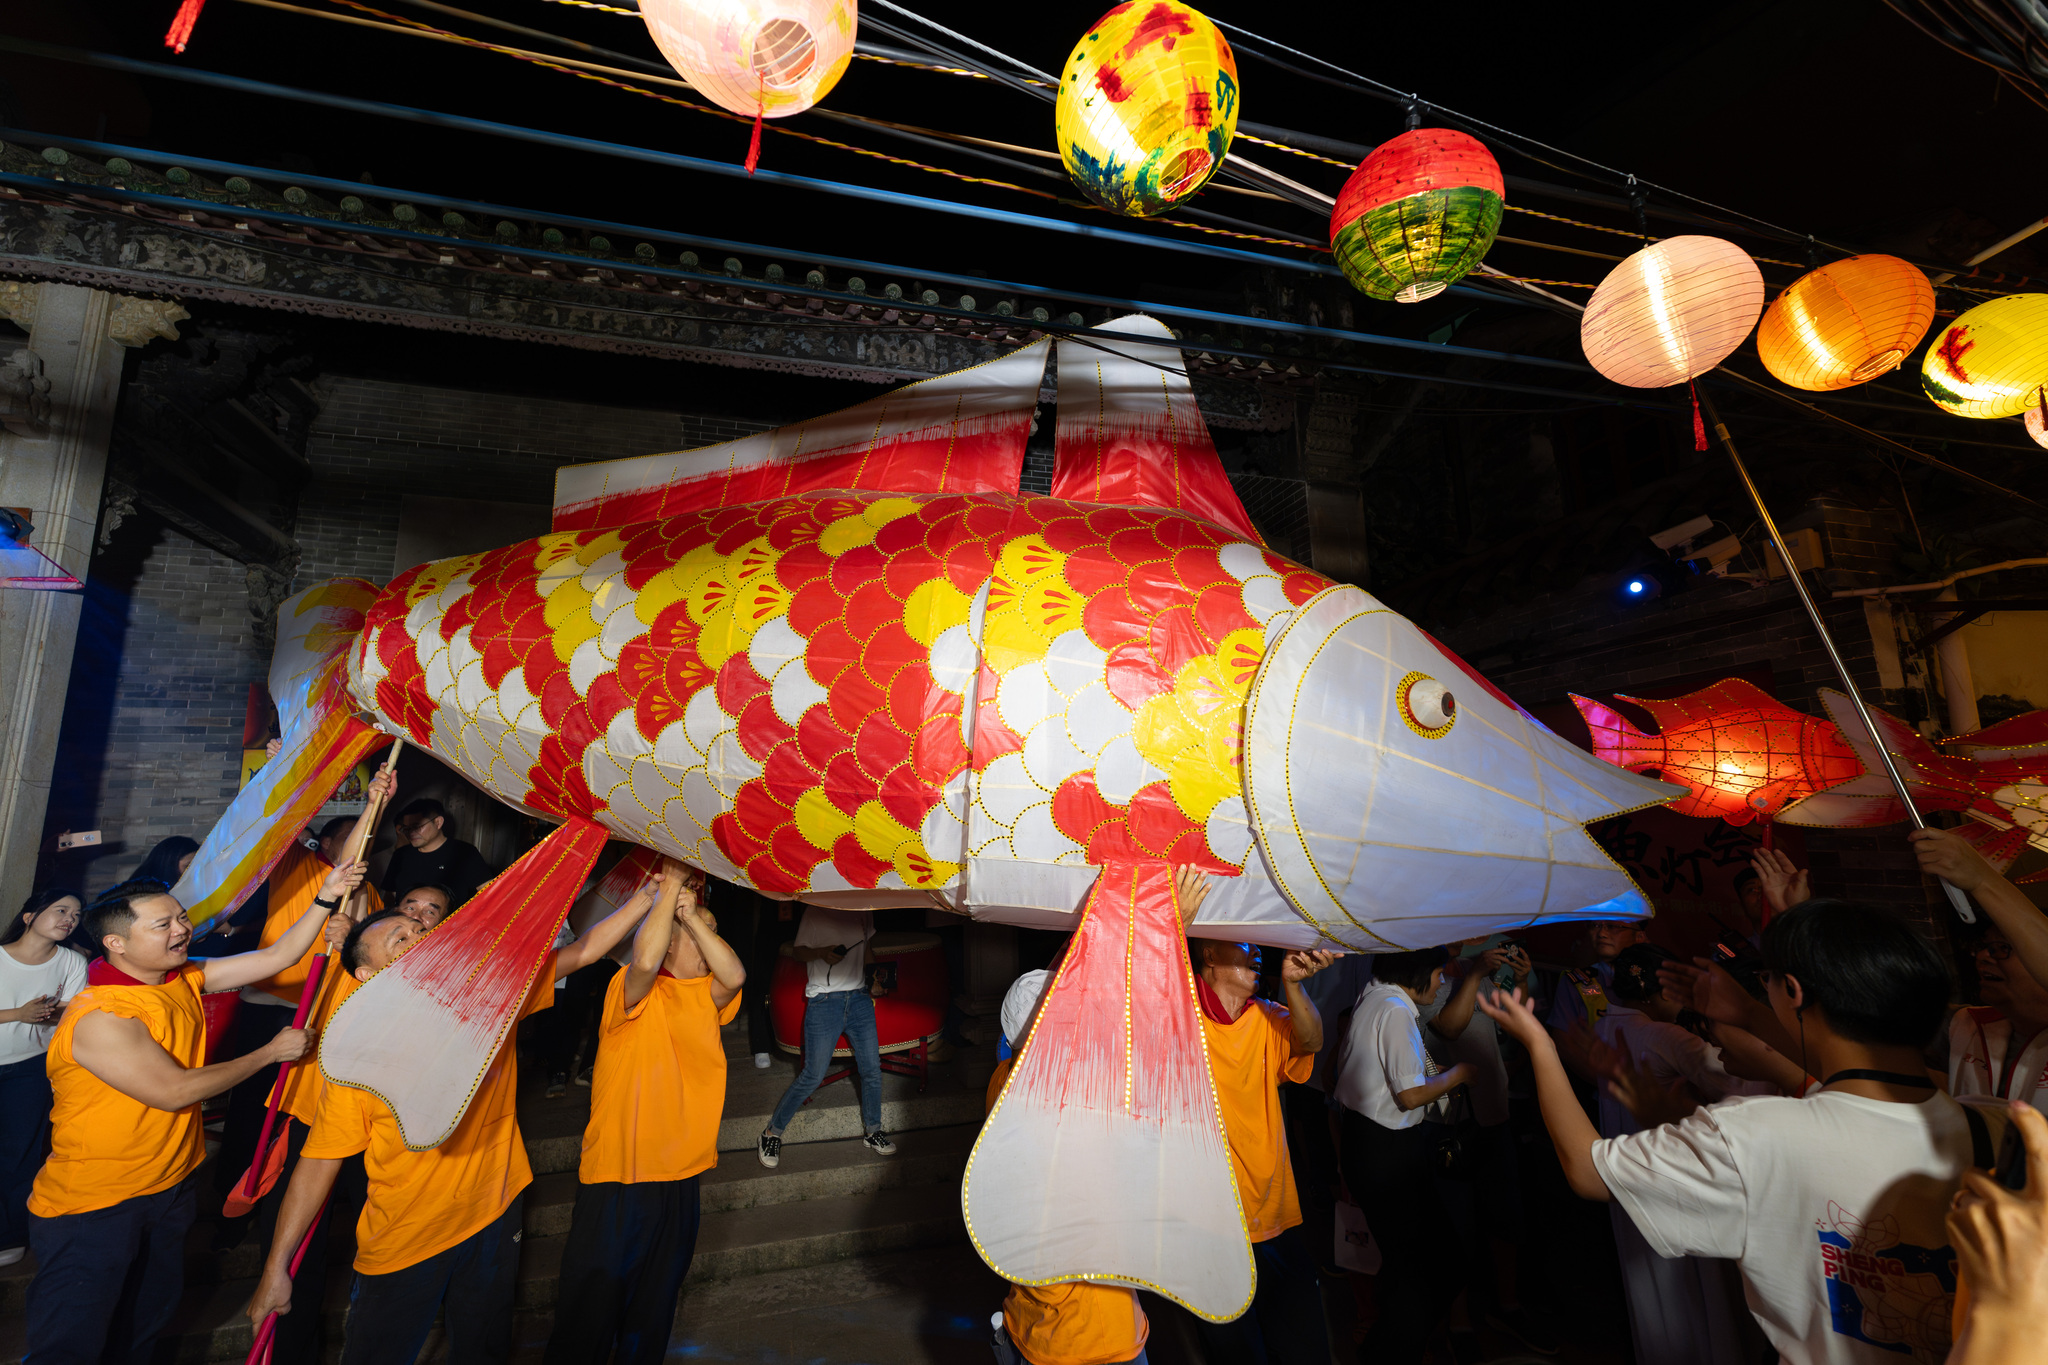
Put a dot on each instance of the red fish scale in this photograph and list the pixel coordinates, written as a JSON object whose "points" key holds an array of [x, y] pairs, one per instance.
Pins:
{"points": [[1155, 593]]}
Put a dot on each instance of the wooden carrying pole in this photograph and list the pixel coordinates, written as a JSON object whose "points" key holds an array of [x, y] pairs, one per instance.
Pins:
{"points": [[352, 852], [1820, 627]]}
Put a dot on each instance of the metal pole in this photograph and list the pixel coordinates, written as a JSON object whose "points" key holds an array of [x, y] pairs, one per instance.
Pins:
{"points": [[1884, 754]]}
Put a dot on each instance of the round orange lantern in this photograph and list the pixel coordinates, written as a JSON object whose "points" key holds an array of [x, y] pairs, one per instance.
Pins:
{"points": [[1846, 323], [760, 58], [1674, 310]]}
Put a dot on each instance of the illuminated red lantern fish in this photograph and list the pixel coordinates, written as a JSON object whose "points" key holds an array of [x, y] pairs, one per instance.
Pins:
{"points": [[1742, 752]]}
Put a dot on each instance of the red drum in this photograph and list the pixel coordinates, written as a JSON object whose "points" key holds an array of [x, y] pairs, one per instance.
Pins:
{"points": [[907, 1018]]}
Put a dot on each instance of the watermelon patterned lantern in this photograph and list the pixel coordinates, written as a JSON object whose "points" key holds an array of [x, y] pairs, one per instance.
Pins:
{"points": [[1147, 106], [1417, 214], [760, 58], [1991, 361]]}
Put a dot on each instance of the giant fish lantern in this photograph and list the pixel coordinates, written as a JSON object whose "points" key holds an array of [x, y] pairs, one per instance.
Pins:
{"points": [[847, 662]]}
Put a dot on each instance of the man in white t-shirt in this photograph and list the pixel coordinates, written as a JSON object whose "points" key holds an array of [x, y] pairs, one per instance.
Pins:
{"points": [[832, 945], [1832, 1205], [2000, 1048]]}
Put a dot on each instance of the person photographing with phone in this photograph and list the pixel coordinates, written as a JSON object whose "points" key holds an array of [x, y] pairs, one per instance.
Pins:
{"points": [[832, 945]]}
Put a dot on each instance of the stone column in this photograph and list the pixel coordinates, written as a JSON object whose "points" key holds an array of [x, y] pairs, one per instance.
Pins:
{"points": [[53, 462]]}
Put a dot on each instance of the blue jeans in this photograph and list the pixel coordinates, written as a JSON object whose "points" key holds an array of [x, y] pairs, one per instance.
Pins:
{"points": [[24, 1142], [827, 1018]]}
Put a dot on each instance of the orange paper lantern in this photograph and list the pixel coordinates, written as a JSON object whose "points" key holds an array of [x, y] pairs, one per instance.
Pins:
{"points": [[760, 58], [2037, 418], [1674, 310], [1846, 323]]}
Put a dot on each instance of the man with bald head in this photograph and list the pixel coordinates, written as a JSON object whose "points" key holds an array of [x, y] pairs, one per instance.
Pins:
{"points": [[440, 1227], [128, 1067]]}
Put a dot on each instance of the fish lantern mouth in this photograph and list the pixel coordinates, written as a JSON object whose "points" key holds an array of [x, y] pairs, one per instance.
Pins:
{"points": [[783, 53]]}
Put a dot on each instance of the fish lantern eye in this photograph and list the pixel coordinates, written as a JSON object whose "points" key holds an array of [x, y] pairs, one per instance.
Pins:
{"points": [[1427, 706]]}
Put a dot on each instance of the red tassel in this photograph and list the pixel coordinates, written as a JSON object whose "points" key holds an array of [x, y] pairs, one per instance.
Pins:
{"points": [[1699, 427], [754, 147], [181, 24]]}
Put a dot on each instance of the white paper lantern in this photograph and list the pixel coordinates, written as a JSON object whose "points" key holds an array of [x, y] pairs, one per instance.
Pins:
{"points": [[760, 58], [1674, 310]]}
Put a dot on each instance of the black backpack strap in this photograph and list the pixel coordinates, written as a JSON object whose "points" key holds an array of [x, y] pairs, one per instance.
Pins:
{"points": [[1981, 1154]]}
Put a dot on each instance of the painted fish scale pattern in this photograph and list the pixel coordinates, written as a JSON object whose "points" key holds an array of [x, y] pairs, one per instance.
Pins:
{"points": [[780, 692]]}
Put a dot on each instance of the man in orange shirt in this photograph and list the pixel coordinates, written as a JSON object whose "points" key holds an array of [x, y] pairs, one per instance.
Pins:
{"points": [[439, 1227], [1253, 1046], [1075, 1322], [655, 1102], [128, 1067]]}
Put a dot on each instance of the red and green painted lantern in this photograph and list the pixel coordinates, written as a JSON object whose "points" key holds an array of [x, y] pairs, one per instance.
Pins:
{"points": [[1417, 215]]}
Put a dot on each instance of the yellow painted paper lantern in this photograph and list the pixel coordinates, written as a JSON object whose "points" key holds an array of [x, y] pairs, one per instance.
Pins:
{"points": [[1147, 106], [760, 58], [1846, 323], [1991, 361], [1674, 310]]}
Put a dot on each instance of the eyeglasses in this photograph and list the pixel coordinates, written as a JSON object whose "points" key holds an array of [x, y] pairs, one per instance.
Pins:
{"points": [[1998, 949]]}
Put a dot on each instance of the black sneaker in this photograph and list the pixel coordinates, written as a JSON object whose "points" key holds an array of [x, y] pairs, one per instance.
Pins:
{"points": [[769, 1150], [1522, 1326], [557, 1083], [878, 1143]]}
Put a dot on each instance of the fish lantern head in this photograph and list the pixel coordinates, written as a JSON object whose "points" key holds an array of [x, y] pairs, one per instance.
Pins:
{"points": [[1147, 107], [1403, 801]]}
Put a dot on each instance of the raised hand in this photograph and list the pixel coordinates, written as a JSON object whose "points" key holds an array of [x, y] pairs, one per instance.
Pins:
{"points": [[1784, 884], [1711, 990], [290, 1044], [1300, 966], [1945, 854], [341, 881], [1513, 1011], [2001, 1243], [1190, 889]]}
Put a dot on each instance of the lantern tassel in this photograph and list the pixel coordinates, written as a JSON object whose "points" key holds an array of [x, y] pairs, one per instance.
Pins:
{"points": [[754, 146], [181, 24], [1699, 426]]}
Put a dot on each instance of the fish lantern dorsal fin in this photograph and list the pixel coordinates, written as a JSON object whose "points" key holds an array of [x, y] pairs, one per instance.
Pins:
{"points": [[962, 432], [1129, 431]]}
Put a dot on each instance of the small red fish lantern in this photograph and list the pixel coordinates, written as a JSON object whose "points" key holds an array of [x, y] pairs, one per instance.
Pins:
{"points": [[1743, 752]]}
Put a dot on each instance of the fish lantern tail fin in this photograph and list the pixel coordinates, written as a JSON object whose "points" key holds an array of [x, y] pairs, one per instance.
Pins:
{"points": [[1105, 1158], [1615, 739], [322, 743]]}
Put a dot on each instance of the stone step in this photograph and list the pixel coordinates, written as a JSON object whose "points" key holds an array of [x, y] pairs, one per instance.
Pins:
{"points": [[774, 1237], [818, 1170], [553, 1128]]}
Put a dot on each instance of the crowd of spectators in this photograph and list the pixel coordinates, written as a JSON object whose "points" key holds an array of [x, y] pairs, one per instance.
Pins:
{"points": [[1808, 1152]]}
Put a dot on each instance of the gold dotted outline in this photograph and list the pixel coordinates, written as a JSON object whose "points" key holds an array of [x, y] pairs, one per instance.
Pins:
{"points": [[1222, 1133]]}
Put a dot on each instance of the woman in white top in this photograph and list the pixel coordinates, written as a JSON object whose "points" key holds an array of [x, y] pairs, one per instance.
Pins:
{"points": [[38, 977], [1385, 1080], [1684, 1310]]}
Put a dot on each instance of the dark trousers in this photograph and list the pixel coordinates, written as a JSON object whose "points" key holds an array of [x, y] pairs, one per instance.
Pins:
{"points": [[629, 1248], [1284, 1325], [390, 1315], [1390, 1176], [557, 1033], [759, 950], [108, 1281], [1312, 1149], [255, 1026], [297, 1339], [24, 1142]]}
